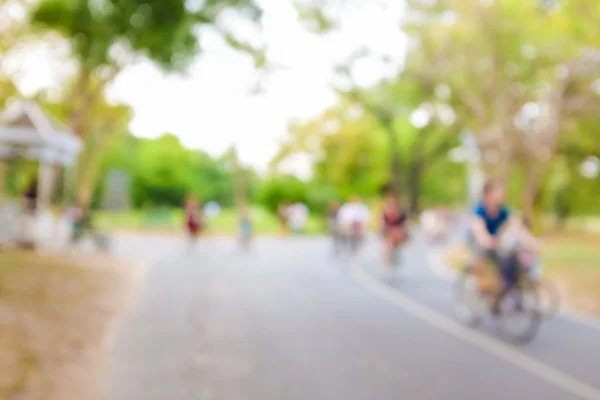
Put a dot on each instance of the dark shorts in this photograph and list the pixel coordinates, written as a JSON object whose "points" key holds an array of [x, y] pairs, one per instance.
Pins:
{"points": [[507, 267]]}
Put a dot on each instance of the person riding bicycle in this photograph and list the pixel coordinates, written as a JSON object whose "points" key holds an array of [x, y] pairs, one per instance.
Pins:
{"points": [[194, 221], [332, 224], [490, 216], [352, 219], [395, 232]]}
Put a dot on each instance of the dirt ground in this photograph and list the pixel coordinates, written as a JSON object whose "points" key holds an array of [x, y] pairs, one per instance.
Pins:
{"points": [[57, 314]]}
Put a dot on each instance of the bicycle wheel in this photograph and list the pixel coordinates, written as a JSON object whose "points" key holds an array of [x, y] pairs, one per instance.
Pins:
{"points": [[549, 297], [521, 316], [470, 305]]}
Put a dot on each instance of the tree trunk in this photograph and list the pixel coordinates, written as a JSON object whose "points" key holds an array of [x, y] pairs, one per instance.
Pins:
{"points": [[82, 101], [396, 171], [414, 187], [531, 193], [395, 159]]}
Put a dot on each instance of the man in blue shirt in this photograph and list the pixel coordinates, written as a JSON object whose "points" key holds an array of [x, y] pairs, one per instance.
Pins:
{"points": [[490, 217]]}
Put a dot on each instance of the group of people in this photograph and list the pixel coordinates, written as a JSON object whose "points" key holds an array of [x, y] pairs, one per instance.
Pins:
{"points": [[292, 217], [348, 224]]}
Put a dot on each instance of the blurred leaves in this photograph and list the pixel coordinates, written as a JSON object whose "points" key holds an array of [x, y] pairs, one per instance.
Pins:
{"points": [[164, 31]]}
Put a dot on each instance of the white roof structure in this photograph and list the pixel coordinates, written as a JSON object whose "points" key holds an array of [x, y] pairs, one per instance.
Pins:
{"points": [[27, 131]]}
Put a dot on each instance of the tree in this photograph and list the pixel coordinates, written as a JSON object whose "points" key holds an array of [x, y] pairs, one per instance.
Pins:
{"points": [[350, 148], [163, 172], [13, 33], [108, 35], [503, 60], [282, 189]]}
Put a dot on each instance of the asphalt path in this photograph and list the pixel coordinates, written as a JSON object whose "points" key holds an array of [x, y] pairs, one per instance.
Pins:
{"points": [[288, 320]]}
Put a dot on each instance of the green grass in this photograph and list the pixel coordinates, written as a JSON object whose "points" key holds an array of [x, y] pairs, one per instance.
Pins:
{"points": [[573, 260], [168, 220]]}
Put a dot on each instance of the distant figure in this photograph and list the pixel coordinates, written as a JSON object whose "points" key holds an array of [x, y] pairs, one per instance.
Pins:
{"points": [[395, 230], [298, 217], [432, 225], [332, 225], [353, 218], [283, 216], [29, 221], [245, 228], [83, 225], [193, 218], [30, 197]]}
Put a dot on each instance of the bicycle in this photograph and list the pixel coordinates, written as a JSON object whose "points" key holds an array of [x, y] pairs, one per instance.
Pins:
{"points": [[83, 227], [354, 238], [520, 314], [548, 293]]}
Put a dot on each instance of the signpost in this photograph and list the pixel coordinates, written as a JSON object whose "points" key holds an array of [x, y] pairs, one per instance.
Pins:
{"points": [[116, 195]]}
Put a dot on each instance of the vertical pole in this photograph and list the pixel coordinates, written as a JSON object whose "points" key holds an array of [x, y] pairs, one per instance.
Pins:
{"points": [[46, 181], [239, 183], [2, 182], [475, 175], [476, 180], [42, 184]]}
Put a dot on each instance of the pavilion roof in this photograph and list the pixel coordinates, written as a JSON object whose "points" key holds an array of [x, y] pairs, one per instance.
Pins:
{"points": [[28, 131]]}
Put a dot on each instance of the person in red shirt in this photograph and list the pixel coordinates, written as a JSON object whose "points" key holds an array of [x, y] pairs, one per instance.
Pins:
{"points": [[193, 217], [395, 230]]}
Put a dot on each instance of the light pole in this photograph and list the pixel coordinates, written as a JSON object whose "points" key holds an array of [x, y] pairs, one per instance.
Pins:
{"points": [[469, 154]]}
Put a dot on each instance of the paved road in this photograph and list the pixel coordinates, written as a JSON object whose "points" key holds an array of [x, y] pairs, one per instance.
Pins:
{"points": [[288, 321]]}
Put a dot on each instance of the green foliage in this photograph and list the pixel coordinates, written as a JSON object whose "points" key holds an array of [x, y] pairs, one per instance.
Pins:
{"points": [[491, 59], [163, 31], [282, 189], [353, 143], [163, 172]]}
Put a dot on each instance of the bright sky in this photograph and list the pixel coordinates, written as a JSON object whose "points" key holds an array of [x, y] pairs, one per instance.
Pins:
{"points": [[211, 107]]}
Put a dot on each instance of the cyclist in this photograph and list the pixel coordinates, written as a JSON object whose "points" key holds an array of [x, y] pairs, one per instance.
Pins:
{"points": [[490, 217], [283, 215], [194, 222], [395, 232], [353, 218], [332, 224]]}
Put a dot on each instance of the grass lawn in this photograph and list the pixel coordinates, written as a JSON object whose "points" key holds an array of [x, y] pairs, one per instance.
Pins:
{"points": [[571, 259], [173, 220], [54, 318]]}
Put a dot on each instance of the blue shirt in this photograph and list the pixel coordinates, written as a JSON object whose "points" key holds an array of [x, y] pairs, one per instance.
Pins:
{"points": [[492, 223]]}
